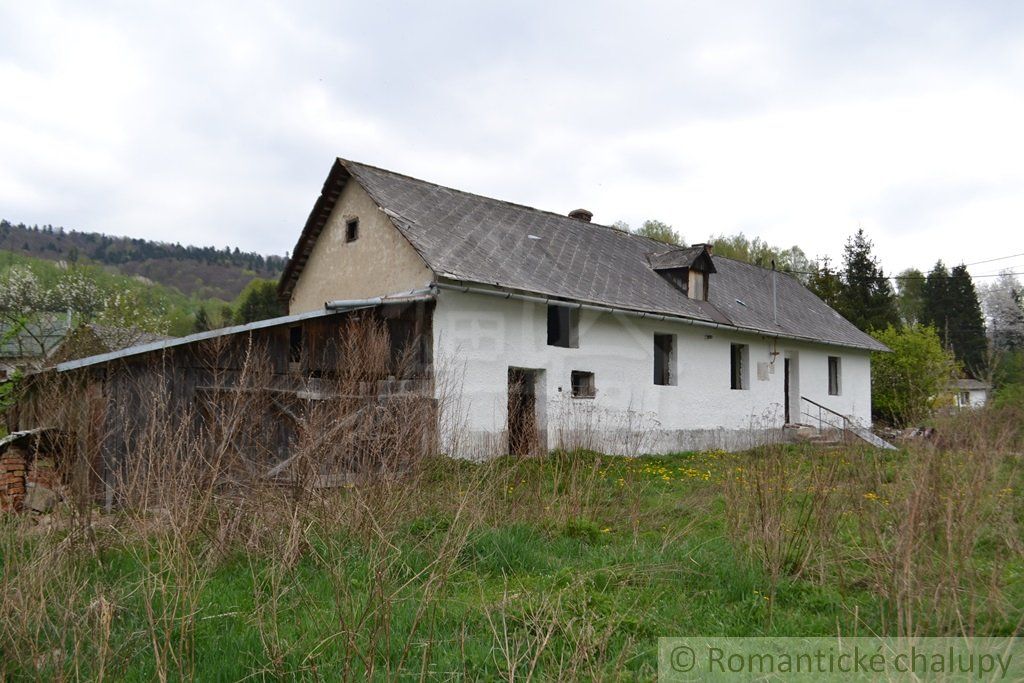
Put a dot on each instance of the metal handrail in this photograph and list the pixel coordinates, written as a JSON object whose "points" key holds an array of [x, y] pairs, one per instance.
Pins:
{"points": [[821, 420]]}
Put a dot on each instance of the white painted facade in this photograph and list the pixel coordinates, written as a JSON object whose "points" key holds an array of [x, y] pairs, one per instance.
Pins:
{"points": [[478, 338], [971, 398]]}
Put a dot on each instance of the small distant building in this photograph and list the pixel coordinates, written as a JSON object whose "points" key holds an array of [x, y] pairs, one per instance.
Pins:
{"points": [[970, 393], [91, 339], [26, 347], [51, 338]]}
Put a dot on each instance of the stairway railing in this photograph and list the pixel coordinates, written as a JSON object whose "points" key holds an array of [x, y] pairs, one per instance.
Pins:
{"points": [[847, 427], [825, 416]]}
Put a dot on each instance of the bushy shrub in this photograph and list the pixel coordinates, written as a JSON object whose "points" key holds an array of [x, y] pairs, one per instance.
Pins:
{"points": [[909, 383]]}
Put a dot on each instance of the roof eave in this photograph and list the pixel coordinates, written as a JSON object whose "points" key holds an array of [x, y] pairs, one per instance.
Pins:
{"points": [[454, 279], [325, 203]]}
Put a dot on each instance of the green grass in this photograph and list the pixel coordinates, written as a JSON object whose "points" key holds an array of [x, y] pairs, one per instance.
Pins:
{"points": [[581, 561]]}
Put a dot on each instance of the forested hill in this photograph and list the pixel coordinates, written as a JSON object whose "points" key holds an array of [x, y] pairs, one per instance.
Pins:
{"points": [[203, 272]]}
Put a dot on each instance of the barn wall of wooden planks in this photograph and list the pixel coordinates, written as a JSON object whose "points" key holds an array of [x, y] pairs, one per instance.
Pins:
{"points": [[354, 390]]}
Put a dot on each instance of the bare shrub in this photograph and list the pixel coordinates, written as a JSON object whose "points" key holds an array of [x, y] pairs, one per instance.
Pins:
{"points": [[922, 518], [581, 425], [782, 509]]}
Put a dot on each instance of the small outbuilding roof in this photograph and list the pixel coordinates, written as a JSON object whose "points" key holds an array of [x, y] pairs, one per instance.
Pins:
{"points": [[970, 385], [465, 237]]}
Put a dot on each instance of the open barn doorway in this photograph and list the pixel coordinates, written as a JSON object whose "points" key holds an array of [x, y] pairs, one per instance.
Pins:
{"points": [[524, 423]]}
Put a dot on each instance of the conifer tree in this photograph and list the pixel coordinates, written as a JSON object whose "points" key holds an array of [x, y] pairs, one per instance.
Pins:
{"points": [[967, 326], [867, 299], [951, 306], [202, 321], [936, 300]]}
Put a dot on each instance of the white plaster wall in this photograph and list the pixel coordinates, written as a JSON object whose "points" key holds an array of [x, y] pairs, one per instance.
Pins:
{"points": [[477, 338], [976, 398]]}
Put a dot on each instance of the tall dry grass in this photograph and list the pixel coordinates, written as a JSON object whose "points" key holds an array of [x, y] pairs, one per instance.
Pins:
{"points": [[930, 529], [196, 486]]}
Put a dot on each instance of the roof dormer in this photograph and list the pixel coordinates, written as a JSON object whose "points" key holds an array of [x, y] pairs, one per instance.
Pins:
{"points": [[688, 269]]}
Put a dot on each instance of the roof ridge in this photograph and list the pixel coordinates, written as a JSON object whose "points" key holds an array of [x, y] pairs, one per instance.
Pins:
{"points": [[652, 241]]}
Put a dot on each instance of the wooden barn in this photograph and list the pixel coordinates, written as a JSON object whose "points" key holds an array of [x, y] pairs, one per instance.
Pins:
{"points": [[348, 387]]}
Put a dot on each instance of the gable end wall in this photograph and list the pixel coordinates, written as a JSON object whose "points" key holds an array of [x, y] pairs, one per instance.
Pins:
{"points": [[381, 261]]}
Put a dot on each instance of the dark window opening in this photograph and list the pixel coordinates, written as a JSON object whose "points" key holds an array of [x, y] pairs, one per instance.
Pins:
{"points": [[833, 376], [737, 366], [352, 230], [295, 344], [563, 326], [664, 352], [677, 277], [583, 384]]}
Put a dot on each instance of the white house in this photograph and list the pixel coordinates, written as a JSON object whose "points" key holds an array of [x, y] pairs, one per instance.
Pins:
{"points": [[553, 330], [971, 393]]}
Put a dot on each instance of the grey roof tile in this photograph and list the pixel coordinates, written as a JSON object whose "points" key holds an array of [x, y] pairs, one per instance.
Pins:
{"points": [[468, 237]]}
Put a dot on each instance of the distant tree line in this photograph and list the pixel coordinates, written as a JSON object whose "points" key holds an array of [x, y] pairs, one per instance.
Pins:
{"points": [[210, 271]]}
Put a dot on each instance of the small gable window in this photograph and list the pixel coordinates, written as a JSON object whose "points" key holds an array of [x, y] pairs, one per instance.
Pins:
{"points": [[834, 376], [351, 229], [563, 326], [583, 384]]}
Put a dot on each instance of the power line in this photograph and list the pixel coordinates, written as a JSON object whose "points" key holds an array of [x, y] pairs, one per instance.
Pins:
{"points": [[900, 277], [998, 258]]}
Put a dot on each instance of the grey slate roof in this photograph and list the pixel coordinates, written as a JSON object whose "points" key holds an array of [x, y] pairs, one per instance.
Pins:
{"points": [[470, 238], [679, 257]]}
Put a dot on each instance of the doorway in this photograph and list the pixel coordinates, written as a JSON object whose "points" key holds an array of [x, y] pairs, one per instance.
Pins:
{"points": [[785, 390], [523, 428], [791, 387]]}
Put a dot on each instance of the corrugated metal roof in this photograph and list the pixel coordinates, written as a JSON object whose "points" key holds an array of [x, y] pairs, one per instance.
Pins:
{"points": [[336, 307], [470, 238]]}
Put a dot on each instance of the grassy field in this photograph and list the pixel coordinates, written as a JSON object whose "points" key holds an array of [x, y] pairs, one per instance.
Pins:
{"points": [[564, 567]]}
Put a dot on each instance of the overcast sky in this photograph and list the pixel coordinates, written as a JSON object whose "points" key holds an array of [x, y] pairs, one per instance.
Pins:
{"points": [[216, 123]]}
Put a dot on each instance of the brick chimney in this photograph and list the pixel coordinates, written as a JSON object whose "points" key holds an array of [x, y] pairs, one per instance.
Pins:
{"points": [[581, 215]]}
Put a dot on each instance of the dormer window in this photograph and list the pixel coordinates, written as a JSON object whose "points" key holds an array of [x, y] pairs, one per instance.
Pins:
{"points": [[688, 269]]}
